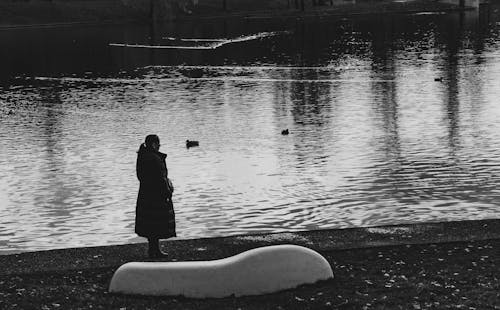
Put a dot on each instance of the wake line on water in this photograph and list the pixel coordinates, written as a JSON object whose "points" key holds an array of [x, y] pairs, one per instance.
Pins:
{"points": [[429, 13], [162, 46], [245, 67], [194, 40], [216, 42], [225, 79]]}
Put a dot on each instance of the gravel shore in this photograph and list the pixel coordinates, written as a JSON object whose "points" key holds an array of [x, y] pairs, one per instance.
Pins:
{"points": [[452, 265]]}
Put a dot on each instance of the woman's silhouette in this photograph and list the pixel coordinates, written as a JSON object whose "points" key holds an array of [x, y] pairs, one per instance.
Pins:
{"points": [[155, 217]]}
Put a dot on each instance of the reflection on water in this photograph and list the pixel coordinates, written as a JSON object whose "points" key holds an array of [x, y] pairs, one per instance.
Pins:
{"points": [[392, 119]]}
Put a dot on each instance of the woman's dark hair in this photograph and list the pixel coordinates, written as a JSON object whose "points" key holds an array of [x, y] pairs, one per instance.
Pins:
{"points": [[148, 143], [150, 139]]}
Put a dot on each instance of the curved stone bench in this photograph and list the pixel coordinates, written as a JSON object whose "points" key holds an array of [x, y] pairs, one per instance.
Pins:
{"points": [[257, 271]]}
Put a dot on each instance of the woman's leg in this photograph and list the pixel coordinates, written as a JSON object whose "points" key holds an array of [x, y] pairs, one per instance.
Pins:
{"points": [[153, 245], [154, 248]]}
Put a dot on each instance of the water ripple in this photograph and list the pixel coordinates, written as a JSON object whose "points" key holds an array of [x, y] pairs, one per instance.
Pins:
{"points": [[386, 127]]}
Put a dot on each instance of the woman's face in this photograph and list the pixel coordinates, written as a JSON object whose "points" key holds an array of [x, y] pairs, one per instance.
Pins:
{"points": [[156, 146]]}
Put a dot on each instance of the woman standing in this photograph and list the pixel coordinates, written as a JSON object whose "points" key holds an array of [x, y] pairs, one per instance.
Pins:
{"points": [[155, 217]]}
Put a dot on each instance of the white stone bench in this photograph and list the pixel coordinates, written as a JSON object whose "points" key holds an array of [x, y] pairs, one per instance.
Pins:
{"points": [[257, 271]]}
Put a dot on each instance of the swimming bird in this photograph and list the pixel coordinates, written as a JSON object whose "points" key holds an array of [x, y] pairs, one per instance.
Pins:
{"points": [[193, 73], [285, 132], [424, 175], [192, 143], [197, 73]]}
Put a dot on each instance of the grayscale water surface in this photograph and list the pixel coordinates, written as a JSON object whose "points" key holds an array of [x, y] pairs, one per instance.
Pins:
{"points": [[374, 139]]}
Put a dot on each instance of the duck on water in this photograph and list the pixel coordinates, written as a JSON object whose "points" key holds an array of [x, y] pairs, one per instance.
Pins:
{"points": [[190, 143]]}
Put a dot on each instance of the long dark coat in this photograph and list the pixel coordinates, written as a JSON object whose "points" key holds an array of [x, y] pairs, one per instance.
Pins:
{"points": [[155, 216]]}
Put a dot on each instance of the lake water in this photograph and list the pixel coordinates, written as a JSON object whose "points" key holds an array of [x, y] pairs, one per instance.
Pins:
{"points": [[374, 138]]}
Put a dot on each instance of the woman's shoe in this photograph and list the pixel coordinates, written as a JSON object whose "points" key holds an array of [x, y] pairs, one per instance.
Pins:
{"points": [[157, 254]]}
